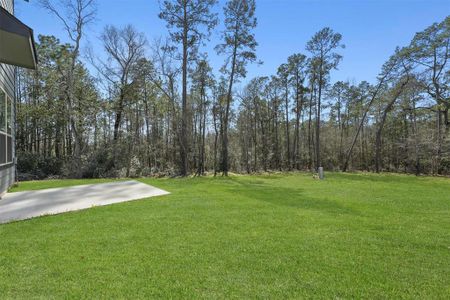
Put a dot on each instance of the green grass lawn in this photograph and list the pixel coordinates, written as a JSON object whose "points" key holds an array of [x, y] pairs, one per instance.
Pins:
{"points": [[277, 236]]}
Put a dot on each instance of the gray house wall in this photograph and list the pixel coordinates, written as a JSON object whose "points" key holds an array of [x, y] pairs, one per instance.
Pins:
{"points": [[7, 84]]}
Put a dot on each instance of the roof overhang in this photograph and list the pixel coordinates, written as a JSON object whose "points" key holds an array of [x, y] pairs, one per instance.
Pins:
{"points": [[16, 42]]}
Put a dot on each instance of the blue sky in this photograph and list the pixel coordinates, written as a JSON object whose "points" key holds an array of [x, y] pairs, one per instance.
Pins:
{"points": [[371, 29]]}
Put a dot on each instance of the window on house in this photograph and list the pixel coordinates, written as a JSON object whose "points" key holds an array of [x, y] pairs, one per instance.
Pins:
{"points": [[2, 112], [6, 141], [2, 149], [8, 116]]}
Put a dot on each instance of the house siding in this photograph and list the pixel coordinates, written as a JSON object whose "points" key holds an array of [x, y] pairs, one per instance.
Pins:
{"points": [[7, 83]]}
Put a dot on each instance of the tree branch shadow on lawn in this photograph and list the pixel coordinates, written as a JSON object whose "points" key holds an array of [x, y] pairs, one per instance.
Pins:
{"points": [[286, 196], [381, 178]]}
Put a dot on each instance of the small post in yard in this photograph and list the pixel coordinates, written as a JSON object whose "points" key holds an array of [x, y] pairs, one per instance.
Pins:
{"points": [[321, 173]]}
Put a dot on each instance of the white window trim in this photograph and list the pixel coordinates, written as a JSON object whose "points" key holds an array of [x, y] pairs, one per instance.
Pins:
{"points": [[7, 97]]}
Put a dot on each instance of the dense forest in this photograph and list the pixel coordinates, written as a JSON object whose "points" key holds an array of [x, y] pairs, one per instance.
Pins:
{"points": [[159, 109]]}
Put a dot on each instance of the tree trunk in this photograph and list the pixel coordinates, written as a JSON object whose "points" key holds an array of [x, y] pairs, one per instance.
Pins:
{"points": [[184, 140], [318, 161], [310, 125], [227, 113], [381, 125], [119, 112], [288, 144], [375, 94], [216, 136]]}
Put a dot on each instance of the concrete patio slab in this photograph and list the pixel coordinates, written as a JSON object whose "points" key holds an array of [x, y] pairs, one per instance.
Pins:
{"points": [[25, 205]]}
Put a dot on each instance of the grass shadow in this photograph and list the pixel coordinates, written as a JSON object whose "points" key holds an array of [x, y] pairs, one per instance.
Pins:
{"points": [[381, 178], [287, 196]]}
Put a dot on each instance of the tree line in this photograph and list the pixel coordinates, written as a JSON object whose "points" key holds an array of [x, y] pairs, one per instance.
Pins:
{"points": [[158, 108]]}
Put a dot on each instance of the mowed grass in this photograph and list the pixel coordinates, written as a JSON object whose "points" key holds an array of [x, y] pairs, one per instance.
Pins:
{"points": [[273, 236]]}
